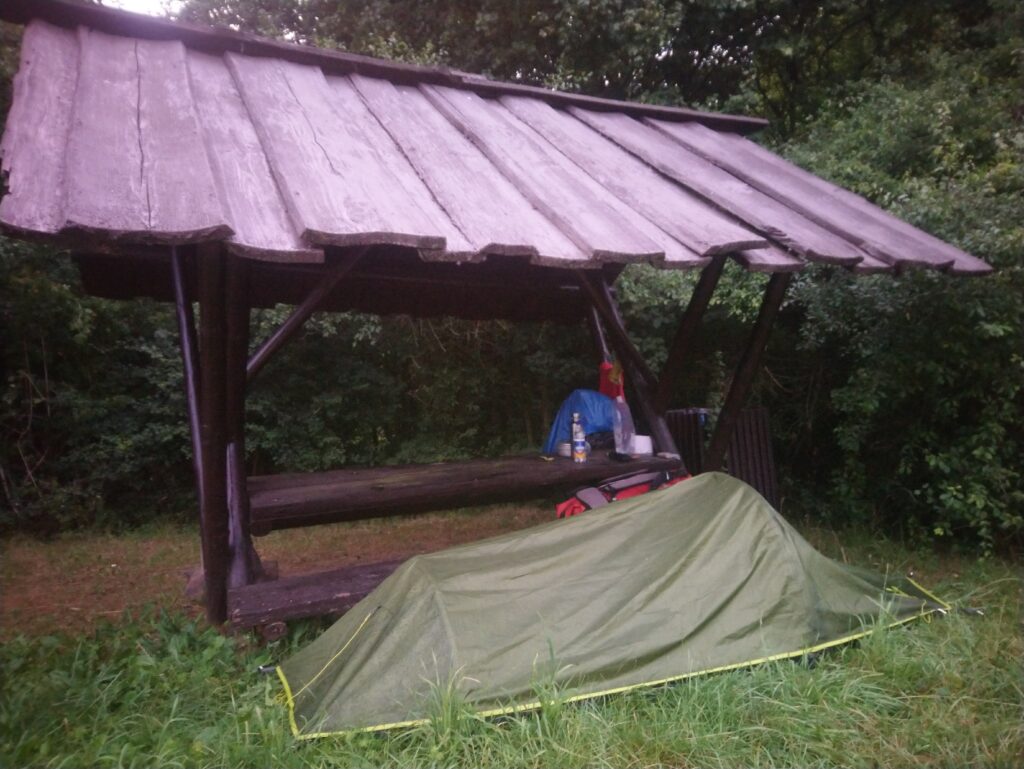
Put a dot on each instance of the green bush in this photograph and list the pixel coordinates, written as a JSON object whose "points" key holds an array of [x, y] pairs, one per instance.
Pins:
{"points": [[925, 407]]}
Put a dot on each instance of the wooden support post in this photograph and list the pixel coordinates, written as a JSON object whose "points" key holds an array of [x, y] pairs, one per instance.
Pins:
{"points": [[189, 359], [301, 314], [746, 370], [687, 332], [213, 504], [597, 333], [245, 565], [638, 375], [602, 300]]}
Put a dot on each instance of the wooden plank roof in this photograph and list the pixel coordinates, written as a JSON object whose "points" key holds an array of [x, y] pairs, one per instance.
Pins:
{"points": [[131, 131]]}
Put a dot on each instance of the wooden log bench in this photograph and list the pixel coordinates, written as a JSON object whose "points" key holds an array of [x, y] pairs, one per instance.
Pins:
{"points": [[301, 499], [305, 595], [304, 499]]}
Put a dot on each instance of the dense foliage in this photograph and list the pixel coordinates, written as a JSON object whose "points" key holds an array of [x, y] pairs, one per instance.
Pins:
{"points": [[895, 401]]}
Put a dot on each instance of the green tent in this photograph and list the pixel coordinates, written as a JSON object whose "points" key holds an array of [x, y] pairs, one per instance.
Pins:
{"points": [[697, 578]]}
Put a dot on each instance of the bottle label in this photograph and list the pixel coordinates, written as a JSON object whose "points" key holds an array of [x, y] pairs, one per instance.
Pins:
{"points": [[579, 450]]}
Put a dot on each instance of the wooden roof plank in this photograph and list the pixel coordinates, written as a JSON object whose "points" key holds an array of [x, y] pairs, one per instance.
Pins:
{"points": [[724, 190], [136, 169], [34, 143], [592, 224], [181, 191], [771, 259], [390, 168], [334, 194], [221, 40], [881, 234], [106, 189], [245, 183], [488, 208], [685, 217]]}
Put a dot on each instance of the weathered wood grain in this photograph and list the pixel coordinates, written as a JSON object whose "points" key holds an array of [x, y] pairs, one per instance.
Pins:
{"points": [[386, 162], [562, 193], [181, 191], [306, 595], [762, 212], [37, 130], [882, 235], [771, 259], [136, 165], [245, 183], [222, 40], [335, 189], [213, 506], [491, 212], [302, 499], [671, 207], [106, 180], [743, 124], [163, 146]]}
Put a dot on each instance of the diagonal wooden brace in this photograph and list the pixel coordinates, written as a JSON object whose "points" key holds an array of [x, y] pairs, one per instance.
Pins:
{"points": [[638, 374], [301, 314], [189, 358], [687, 331], [746, 370], [604, 354], [602, 300]]}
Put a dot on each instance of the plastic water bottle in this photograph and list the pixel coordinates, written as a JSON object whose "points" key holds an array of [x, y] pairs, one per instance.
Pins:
{"points": [[623, 427], [579, 440]]}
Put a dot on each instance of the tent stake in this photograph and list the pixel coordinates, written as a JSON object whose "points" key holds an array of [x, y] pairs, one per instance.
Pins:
{"points": [[687, 332], [301, 314], [746, 370]]}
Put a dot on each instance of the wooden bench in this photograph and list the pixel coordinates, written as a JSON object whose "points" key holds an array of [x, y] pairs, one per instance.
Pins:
{"points": [[301, 499]]}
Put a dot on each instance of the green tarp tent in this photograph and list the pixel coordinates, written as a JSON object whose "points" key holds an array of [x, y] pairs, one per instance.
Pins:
{"points": [[697, 578]]}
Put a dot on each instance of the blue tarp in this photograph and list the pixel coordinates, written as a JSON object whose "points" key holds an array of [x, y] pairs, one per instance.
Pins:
{"points": [[596, 413]]}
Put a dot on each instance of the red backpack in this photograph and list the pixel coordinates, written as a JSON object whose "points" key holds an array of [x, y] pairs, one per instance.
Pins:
{"points": [[614, 489]]}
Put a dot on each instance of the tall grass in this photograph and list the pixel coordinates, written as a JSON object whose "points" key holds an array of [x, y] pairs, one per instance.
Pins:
{"points": [[159, 690]]}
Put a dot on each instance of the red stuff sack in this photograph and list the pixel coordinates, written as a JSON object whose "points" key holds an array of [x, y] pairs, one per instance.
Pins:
{"points": [[614, 489]]}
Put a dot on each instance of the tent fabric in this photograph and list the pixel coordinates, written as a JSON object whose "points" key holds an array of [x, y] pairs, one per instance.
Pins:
{"points": [[700, 577], [597, 413]]}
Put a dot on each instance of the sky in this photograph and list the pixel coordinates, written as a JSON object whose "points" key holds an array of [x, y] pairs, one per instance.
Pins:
{"points": [[152, 7]]}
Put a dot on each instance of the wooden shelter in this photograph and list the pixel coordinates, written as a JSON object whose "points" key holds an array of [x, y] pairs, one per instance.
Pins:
{"points": [[191, 164]]}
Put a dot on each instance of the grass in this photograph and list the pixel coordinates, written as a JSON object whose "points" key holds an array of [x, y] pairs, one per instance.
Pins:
{"points": [[156, 689]]}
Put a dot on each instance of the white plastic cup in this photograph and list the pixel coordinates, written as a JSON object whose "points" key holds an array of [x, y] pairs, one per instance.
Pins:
{"points": [[642, 445]]}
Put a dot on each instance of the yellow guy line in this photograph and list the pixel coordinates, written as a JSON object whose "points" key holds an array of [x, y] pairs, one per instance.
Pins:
{"points": [[923, 614], [327, 664]]}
